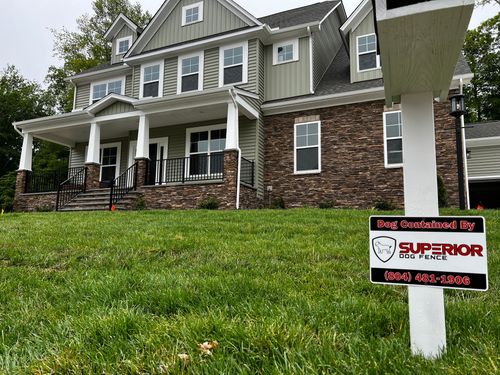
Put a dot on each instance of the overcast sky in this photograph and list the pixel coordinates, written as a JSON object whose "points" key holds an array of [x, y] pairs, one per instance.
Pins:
{"points": [[27, 41]]}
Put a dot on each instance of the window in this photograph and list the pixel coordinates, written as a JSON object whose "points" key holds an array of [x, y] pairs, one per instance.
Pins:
{"points": [[152, 80], [393, 135], [206, 151], [367, 53], [101, 89], [307, 148], [123, 45], [233, 64], [190, 75], [192, 13], [286, 52]]}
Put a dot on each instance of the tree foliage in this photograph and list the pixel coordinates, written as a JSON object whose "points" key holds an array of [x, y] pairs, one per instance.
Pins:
{"points": [[20, 100], [482, 52], [87, 47], [485, 2]]}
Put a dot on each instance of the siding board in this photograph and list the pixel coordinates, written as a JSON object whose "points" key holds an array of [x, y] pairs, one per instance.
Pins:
{"points": [[83, 96], [290, 79], [216, 19], [484, 161], [116, 109], [170, 77], [211, 69]]}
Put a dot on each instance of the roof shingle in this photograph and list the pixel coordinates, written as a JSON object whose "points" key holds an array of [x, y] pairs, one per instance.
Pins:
{"points": [[298, 16], [482, 130]]}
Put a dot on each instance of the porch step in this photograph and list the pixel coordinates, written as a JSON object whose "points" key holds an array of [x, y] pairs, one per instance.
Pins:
{"points": [[98, 200]]}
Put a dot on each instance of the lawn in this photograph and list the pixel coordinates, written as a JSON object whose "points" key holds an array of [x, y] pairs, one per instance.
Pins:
{"points": [[282, 292]]}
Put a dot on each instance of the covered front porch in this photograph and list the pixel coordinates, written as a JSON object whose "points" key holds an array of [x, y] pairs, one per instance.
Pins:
{"points": [[193, 147]]}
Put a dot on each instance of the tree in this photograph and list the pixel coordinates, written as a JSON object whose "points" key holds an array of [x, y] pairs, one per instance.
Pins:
{"points": [[87, 47], [20, 100], [482, 52]]}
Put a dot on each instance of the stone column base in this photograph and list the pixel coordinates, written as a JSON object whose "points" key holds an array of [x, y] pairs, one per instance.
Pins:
{"points": [[21, 179], [231, 175], [93, 176], [142, 171]]}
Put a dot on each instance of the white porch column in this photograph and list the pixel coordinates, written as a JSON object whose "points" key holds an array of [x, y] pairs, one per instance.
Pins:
{"points": [[232, 135], [26, 153], [93, 152], [426, 305], [143, 138]]}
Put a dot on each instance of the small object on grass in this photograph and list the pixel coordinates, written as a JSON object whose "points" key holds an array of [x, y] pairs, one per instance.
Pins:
{"points": [[208, 346], [184, 357], [113, 208], [3, 210]]}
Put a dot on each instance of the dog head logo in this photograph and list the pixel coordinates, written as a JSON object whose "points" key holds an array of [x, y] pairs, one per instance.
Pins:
{"points": [[384, 248]]}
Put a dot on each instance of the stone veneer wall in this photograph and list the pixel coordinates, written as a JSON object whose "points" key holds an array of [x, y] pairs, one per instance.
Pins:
{"points": [[352, 147]]}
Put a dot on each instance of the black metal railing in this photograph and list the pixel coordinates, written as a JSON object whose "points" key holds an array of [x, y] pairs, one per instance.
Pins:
{"points": [[195, 168], [122, 185], [70, 188], [247, 175], [46, 181]]}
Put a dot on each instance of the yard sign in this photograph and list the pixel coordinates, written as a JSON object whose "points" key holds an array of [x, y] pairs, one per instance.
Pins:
{"points": [[445, 252]]}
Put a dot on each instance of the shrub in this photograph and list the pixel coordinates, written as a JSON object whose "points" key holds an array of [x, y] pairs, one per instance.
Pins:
{"points": [[278, 204], [442, 193], [325, 205], [384, 205], [140, 204], [210, 203]]}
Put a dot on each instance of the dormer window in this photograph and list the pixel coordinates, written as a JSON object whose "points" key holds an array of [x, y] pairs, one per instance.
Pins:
{"points": [[367, 53], [152, 80], [123, 45], [287, 51], [192, 13], [101, 89]]}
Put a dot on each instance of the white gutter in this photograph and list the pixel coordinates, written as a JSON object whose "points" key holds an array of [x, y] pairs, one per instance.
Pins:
{"points": [[311, 72], [464, 150], [17, 130], [238, 178]]}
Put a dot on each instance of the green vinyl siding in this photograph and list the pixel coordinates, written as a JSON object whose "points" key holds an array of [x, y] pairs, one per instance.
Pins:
{"points": [[366, 27], [211, 69], [253, 67], [290, 79], [129, 81], [170, 77], [116, 109], [216, 19], [136, 79], [326, 45], [77, 156], [82, 96], [484, 161], [124, 32]]}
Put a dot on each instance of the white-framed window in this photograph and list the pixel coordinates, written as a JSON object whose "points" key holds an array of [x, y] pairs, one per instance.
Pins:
{"points": [[123, 45], [205, 150], [233, 61], [190, 73], [152, 80], [192, 13], [286, 51], [110, 160], [307, 148], [100, 89], [367, 52], [393, 139]]}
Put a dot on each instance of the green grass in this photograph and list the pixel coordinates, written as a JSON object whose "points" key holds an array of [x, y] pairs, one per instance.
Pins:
{"points": [[283, 292]]}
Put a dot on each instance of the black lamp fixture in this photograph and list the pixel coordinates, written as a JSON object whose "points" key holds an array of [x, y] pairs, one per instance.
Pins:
{"points": [[457, 111], [457, 105]]}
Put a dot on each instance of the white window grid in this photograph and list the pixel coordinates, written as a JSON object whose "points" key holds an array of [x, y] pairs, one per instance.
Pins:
{"points": [[192, 13], [392, 131], [305, 137], [367, 44]]}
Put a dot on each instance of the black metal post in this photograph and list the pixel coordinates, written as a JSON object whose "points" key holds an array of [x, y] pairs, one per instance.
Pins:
{"points": [[460, 163]]}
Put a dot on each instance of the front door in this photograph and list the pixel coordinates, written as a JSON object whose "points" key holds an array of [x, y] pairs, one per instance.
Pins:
{"points": [[109, 165], [158, 153]]}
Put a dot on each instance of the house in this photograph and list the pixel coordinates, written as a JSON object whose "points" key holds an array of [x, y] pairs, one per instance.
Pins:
{"points": [[210, 101], [483, 163]]}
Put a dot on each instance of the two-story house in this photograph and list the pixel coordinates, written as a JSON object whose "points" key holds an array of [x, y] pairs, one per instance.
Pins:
{"points": [[210, 101]]}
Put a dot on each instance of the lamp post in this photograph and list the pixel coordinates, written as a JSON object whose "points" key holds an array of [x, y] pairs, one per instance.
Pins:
{"points": [[457, 111]]}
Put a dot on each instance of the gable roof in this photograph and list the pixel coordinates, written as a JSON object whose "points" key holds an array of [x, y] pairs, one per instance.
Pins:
{"points": [[359, 14], [107, 101], [299, 16], [482, 130], [167, 7], [120, 21]]}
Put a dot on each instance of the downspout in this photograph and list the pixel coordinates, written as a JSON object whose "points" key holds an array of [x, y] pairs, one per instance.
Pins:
{"points": [[238, 178], [464, 150], [311, 78]]}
